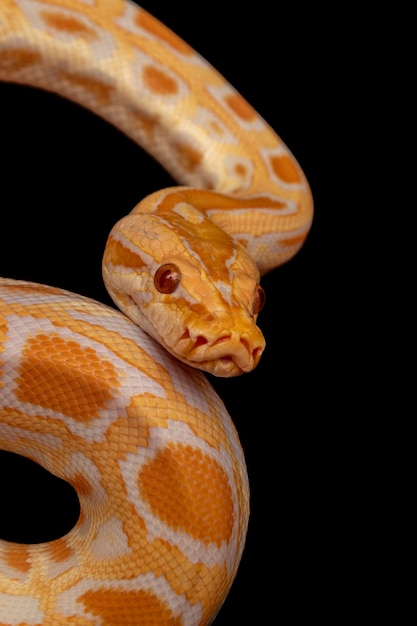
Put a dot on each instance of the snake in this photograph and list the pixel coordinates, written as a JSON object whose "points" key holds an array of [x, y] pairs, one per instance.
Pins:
{"points": [[116, 401]]}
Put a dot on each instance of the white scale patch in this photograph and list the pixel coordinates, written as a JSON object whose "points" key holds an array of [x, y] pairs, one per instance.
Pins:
{"points": [[110, 541], [212, 126], [239, 170], [188, 213], [81, 464], [271, 241], [289, 208], [226, 289], [32, 295], [16, 610], [56, 569], [34, 445]]}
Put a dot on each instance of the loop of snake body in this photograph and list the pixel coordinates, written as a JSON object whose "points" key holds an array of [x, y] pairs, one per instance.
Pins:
{"points": [[113, 402]]}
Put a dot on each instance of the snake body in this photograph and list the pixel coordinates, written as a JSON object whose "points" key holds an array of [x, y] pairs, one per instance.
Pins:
{"points": [[108, 400]]}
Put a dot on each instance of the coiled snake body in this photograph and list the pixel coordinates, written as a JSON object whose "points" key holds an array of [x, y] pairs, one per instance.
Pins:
{"points": [[109, 402]]}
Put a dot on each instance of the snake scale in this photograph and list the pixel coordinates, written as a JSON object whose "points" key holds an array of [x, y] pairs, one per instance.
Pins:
{"points": [[115, 402]]}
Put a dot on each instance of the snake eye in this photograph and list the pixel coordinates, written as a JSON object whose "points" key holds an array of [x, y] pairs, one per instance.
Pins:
{"points": [[258, 300], [167, 278]]}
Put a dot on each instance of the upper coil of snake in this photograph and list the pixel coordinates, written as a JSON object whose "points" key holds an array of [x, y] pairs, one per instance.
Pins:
{"points": [[85, 392]]}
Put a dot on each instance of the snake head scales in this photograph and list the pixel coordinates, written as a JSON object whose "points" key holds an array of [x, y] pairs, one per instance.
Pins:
{"points": [[189, 284]]}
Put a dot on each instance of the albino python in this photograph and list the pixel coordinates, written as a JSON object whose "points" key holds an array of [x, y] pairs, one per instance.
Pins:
{"points": [[108, 402]]}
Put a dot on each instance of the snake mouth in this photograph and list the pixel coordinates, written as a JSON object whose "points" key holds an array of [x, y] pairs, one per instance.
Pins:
{"points": [[226, 356]]}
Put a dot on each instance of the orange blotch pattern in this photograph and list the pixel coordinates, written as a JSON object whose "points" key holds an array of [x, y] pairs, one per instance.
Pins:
{"points": [[216, 128], [189, 491], [284, 167], [240, 107], [68, 24], [240, 170], [147, 122], [17, 557], [61, 375], [59, 550], [128, 607], [81, 485], [189, 157], [158, 30], [99, 90], [159, 82], [18, 59]]}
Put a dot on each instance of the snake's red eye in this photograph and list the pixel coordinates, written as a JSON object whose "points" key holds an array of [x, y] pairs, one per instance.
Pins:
{"points": [[167, 278], [258, 300]]}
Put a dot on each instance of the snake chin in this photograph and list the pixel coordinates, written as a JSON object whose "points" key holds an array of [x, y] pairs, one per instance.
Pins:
{"points": [[222, 368]]}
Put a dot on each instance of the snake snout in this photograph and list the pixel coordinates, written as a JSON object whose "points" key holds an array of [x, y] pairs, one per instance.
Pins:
{"points": [[229, 354]]}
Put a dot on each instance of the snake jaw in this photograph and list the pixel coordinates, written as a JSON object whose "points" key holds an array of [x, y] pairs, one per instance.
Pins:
{"points": [[227, 354]]}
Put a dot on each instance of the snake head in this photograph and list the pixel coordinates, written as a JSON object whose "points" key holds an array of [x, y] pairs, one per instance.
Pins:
{"points": [[190, 286]]}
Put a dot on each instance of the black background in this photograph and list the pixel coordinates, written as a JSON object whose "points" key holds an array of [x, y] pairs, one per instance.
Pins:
{"points": [[68, 176]]}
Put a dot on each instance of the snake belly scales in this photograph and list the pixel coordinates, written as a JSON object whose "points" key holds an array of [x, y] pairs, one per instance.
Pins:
{"points": [[114, 402]]}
